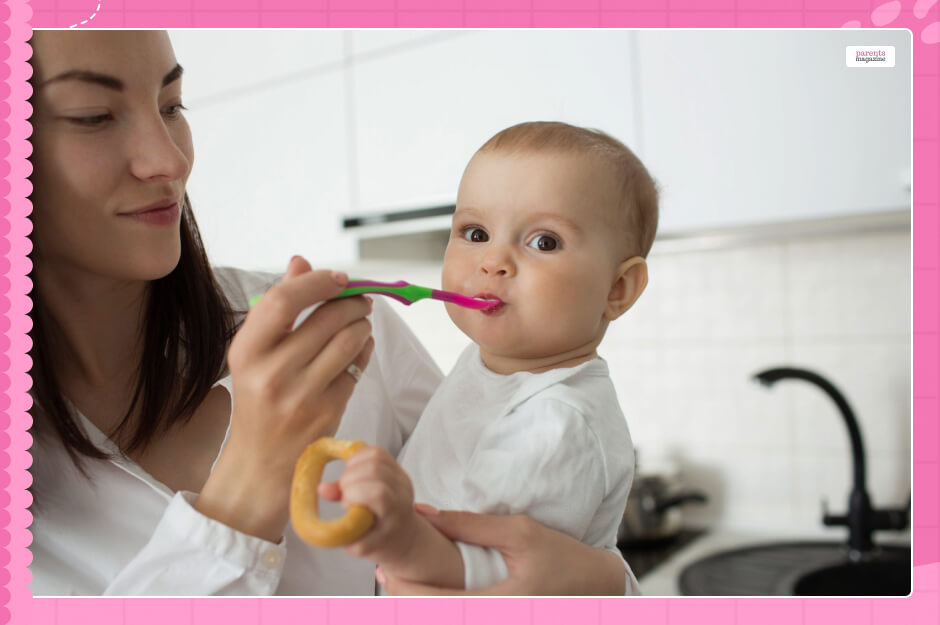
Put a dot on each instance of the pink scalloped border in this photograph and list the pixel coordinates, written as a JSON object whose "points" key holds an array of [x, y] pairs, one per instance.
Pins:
{"points": [[15, 305], [922, 17]]}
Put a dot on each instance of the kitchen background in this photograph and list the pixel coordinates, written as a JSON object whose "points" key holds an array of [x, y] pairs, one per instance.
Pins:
{"points": [[784, 238]]}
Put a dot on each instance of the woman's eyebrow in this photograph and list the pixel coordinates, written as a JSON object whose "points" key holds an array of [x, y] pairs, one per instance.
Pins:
{"points": [[174, 74], [109, 82]]}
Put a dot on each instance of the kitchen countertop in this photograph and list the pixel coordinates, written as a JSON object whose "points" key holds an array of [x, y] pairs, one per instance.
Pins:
{"points": [[647, 555], [663, 578]]}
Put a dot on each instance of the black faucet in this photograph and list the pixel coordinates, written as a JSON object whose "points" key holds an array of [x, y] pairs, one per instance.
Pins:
{"points": [[861, 518]]}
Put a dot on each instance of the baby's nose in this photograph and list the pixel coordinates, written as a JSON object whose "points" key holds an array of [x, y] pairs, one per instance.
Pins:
{"points": [[497, 262]]}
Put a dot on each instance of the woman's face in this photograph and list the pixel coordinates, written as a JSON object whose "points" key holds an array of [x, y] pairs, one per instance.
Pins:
{"points": [[111, 153]]}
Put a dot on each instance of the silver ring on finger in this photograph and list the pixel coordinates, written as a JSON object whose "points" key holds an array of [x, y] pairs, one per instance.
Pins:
{"points": [[354, 371]]}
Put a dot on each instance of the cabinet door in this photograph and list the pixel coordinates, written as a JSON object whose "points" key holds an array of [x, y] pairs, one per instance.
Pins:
{"points": [[268, 118], [366, 43], [421, 112], [270, 178], [764, 126], [223, 63]]}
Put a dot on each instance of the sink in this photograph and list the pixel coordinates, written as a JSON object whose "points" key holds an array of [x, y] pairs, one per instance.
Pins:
{"points": [[799, 568], [874, 578]]}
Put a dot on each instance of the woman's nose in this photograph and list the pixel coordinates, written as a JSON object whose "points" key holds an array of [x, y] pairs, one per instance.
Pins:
{"points": [[155, 153], [497, 261]]}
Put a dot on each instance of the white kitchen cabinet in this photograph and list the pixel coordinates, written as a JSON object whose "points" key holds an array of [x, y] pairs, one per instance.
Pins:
{"points": [[220, 64], [372, 42], [268, 113], [297, 129], [746, 127], [421, 112], [270, 178]]}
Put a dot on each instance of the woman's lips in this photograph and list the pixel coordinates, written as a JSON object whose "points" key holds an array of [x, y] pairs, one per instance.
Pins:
{"points": [[157, 216]]}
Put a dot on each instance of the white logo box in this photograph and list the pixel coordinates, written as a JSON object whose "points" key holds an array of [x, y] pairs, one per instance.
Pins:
{"points": [[869, 56]]}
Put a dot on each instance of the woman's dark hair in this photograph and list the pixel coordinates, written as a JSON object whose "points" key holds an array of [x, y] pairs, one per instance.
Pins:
{"points": [[186, 329]]}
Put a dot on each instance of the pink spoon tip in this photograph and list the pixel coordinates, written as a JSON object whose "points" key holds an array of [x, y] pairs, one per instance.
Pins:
{"points": [[463, 300]]}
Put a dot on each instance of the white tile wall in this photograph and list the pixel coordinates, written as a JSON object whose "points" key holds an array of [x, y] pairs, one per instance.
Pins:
{"points": [[682, 360], [838, 305]]}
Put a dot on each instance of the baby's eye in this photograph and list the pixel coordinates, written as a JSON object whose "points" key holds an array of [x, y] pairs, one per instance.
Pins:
{"points": [[475, 235], [544, 243]]}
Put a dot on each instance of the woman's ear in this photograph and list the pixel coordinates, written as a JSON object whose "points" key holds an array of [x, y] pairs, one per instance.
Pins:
{"points": [[629, 283]]}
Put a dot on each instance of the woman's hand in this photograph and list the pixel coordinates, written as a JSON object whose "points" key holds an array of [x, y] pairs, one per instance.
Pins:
{"points": [[290, 387], [541, 561]]}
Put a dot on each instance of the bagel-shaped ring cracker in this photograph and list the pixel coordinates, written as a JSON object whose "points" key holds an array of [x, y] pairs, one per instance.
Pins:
{"points": [[304, 501]]}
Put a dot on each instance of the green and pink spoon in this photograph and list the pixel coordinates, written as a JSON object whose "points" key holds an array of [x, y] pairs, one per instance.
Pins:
{"points": [[408, 294]]}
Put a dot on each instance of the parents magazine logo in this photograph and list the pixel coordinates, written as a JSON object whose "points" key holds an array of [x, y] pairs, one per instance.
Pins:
{"points": [[869, 56]]}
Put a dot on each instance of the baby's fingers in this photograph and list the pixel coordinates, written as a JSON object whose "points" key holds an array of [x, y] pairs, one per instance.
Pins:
{"points": [[372, 457], [329, 491], [375, 494], [370, 544], [378, 479]]}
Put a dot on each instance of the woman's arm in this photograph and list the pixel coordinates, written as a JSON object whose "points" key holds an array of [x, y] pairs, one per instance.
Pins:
{"points": [[541, 561], [189, 554], [290, 387]]}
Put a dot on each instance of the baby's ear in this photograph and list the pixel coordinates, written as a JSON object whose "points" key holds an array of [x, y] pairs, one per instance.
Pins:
{"points": [[629, 282]]}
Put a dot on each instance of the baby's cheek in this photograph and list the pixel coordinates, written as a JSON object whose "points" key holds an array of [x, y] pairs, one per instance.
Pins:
{"points": [[449, 277], [566, 323]]}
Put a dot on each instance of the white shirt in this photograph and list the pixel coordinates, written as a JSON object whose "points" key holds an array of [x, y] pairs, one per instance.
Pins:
{"points": [[122, 532], [554, 446]]}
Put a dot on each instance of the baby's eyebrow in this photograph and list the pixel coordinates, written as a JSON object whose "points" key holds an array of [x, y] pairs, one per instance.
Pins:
{"points": [[107, 81], [464, 212], [558, 218], [472, 213]]}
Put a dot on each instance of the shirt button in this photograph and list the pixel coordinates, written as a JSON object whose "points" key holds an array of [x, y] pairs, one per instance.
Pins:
{"points": [[272, 558]]}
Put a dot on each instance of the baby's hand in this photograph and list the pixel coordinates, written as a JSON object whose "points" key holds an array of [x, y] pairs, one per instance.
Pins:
{"points": [[374, 479]]}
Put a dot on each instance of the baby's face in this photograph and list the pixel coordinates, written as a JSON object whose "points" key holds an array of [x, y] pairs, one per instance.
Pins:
{"points": [[536, 231]]}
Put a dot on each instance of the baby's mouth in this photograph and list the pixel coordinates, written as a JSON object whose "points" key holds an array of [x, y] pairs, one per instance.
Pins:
{"points": [[492, 310]]}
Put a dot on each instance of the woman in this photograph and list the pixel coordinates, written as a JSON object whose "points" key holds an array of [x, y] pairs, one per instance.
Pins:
{"points": [[157, 469]]}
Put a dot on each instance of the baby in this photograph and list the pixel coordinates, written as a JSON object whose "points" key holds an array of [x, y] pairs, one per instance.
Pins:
{"points": [[555, 221]]}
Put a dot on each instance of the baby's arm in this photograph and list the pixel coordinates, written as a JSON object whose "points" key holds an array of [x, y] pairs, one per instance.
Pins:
{"points": [[402, 542]]}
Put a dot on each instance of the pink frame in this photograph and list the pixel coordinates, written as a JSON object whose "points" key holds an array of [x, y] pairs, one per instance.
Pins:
{"points": [[922, 17]]}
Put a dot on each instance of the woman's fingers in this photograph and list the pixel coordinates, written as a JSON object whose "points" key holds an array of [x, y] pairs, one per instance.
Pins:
{"points": [[340, 385], [297, 265], [274, 315], [530, 549], [333, 334], [363, 357]]}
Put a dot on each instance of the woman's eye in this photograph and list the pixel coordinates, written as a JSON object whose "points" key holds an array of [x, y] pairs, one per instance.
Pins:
{"points": [[174, 111], [475, 235], [91, 120], [544, 243]]}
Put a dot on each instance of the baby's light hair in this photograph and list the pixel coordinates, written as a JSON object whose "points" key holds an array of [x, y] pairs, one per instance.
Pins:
{"points": [[639, 197]]}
